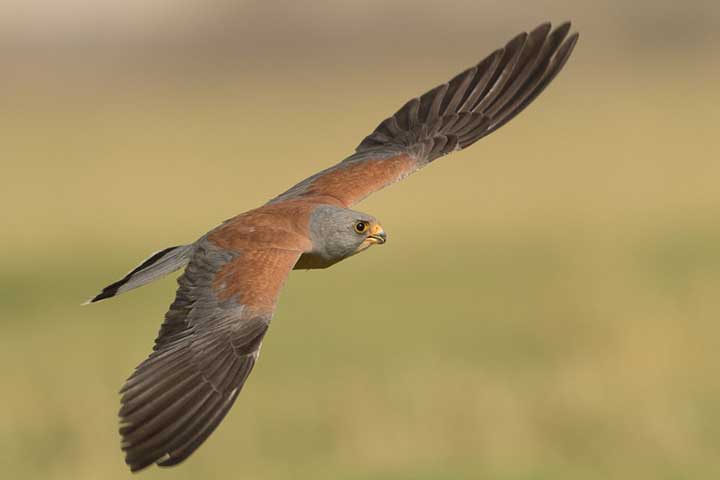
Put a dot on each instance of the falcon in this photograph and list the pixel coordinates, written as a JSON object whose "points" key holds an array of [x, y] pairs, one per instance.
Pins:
{"points": [[212, 333]]}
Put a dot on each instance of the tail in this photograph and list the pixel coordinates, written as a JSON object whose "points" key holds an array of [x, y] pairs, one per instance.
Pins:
{"points": [[158, 265]]}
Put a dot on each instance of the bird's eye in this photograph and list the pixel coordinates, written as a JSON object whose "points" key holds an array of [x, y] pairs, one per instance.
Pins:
{"points": [[360, 227]]}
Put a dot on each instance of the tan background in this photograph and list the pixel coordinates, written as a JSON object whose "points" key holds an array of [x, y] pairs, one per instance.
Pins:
{"points": [[546, 308]]}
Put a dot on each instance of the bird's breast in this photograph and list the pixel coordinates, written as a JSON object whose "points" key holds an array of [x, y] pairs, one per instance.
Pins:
{"points": [[313, 261]]}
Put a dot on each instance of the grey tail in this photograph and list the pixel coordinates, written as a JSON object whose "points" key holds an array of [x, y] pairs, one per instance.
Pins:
{"points": [[158, 265]]}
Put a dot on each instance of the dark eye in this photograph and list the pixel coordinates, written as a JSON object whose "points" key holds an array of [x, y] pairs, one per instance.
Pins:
{"points": [[360, 227]]}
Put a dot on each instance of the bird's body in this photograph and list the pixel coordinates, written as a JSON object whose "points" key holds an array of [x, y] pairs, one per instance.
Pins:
{"points": [[212, 334]]}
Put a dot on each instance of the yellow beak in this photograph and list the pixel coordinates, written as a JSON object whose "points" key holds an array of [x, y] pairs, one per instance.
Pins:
{"points": [[377, 234]]}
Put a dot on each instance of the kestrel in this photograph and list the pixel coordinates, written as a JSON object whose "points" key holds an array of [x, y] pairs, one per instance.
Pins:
{"points": [[211, 336]]}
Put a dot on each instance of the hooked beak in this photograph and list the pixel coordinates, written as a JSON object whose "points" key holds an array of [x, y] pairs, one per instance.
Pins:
{"points": [[377, 234]]}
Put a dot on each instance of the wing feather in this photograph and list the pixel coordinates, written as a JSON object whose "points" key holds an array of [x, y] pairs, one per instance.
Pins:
{"points": [[206, 348], [449, 117]]}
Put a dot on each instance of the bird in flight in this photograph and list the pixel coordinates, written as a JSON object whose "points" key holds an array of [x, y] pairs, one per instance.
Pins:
{"points": [[212, 333]]}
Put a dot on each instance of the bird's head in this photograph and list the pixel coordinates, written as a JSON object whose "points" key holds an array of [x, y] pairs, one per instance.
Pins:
{"points": [[338, 233]]}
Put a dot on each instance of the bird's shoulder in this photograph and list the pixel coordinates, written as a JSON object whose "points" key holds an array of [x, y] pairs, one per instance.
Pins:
{"points": [[282, 225]]}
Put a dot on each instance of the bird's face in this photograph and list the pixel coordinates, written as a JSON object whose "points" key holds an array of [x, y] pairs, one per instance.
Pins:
{"points": [[338, 233], [370, 232]]}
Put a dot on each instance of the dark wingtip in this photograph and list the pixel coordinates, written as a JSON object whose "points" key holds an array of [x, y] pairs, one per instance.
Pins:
{"points": [[567, 47], [138, 467], [112, 289], [572, 39], [547, 26], [566, 24], [108, 292], [565, 28]]}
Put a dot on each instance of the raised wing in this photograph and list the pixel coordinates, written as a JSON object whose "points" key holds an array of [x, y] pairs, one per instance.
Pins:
{"points": [[450, 117], [205, 350]]}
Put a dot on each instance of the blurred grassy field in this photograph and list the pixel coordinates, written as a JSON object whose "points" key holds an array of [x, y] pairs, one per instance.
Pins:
{"points": [[546, 307]]}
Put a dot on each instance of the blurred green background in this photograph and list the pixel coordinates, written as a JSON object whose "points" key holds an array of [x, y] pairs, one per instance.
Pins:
{"points": [[546, 308]]}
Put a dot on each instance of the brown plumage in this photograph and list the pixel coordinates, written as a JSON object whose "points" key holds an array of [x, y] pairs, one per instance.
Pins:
{"points": [[212, 334]]}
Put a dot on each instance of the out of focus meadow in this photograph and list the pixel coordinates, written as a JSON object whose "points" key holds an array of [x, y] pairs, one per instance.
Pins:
{"points": [[548, 303]]}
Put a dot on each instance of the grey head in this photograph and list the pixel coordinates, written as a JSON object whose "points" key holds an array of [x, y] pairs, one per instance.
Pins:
{"points": [[338, 233]]}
